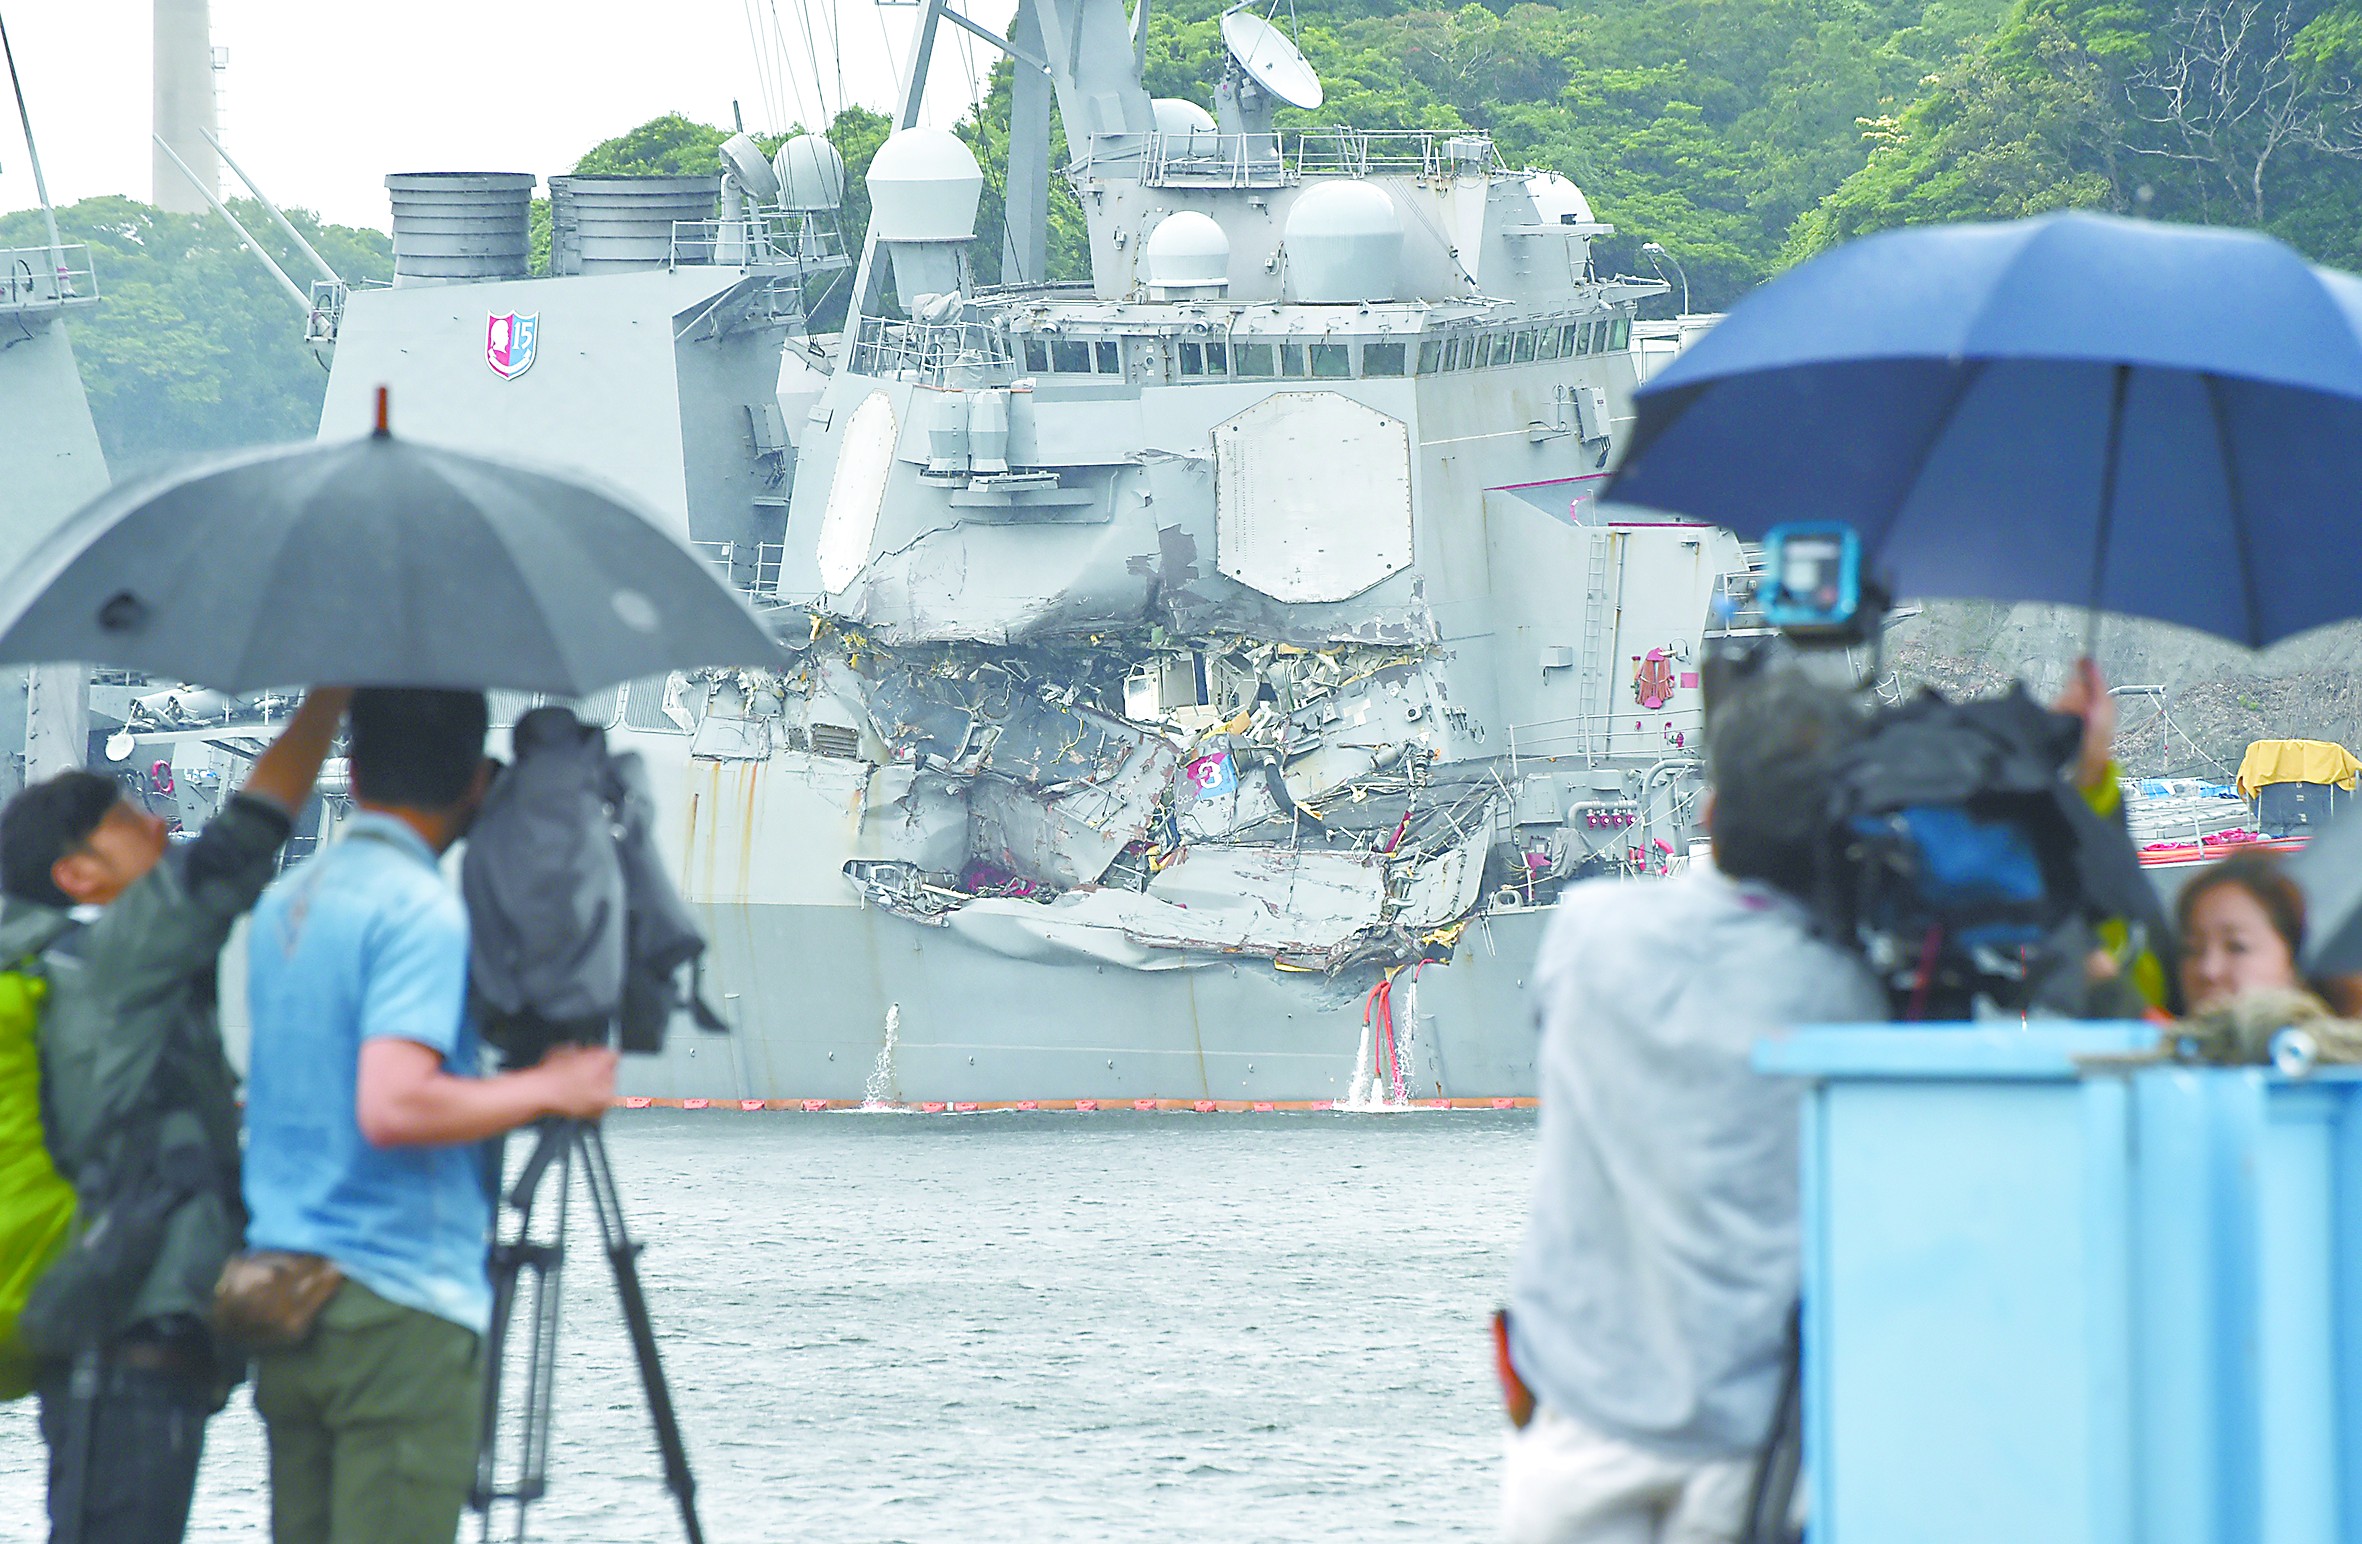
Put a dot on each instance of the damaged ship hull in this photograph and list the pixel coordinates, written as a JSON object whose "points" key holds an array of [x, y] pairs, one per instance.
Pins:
{"points": [[810, 992], [1197, 683]]}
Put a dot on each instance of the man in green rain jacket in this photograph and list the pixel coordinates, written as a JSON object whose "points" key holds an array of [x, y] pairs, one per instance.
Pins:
{"points": [[128, 929]]}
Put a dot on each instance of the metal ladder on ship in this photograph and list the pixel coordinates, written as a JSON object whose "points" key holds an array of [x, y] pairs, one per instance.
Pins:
{"points": [[1592, 705]]}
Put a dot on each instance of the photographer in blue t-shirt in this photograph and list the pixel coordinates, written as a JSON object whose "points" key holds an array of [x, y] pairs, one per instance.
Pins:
{"points": [[363, 1110]]}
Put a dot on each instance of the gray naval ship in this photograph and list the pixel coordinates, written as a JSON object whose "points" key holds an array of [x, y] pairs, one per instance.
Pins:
{"points": [[1200, 680]]}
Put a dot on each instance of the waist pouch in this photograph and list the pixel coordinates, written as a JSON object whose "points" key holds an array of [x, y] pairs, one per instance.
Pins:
{"points": [[269, 1299]]}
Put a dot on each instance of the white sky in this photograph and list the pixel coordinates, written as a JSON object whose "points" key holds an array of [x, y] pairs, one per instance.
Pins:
{"points": [[322, 98]]}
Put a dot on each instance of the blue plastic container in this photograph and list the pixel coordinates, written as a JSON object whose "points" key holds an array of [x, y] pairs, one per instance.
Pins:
{"points": [[2047, 1298]]}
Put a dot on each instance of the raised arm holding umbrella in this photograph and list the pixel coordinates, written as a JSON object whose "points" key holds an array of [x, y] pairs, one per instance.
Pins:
{"points": [[424, 577]]}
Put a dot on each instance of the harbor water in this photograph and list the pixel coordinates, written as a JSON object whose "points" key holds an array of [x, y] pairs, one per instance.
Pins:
{"points": [[1018, 1327]]}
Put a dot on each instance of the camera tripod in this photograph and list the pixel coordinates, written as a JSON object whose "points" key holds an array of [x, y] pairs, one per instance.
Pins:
{"points": [[520, 1255]]}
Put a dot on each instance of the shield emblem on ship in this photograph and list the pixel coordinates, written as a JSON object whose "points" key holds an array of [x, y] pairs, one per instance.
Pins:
{"points": [[1212, 774], [509, 343]]}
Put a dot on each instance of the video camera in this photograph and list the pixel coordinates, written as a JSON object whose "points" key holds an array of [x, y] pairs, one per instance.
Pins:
{"points": [[578, 936], [1813, 588], [1954, 859], [1815, 603]]}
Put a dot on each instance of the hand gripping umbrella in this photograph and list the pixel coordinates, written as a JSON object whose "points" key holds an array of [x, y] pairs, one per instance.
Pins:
{"points": [[2157, 419], [373, 562]]}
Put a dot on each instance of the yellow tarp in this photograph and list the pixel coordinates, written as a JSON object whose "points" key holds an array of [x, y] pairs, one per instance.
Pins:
{"points": [[2296, 761]]}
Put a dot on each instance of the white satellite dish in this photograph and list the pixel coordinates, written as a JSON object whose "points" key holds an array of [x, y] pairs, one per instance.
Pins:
{"points": [[119, 745], [1269, 59], [744, 159]]}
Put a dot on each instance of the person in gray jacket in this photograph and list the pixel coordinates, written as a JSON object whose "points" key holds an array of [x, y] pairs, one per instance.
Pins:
{"points": [[1649, 1303], [137, 1093]]}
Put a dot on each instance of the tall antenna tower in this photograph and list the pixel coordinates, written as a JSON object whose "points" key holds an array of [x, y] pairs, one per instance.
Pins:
{"points": [[185, 105]]}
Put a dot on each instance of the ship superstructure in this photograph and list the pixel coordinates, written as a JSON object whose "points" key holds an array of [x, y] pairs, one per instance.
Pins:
{"points": [[1203, 678]]}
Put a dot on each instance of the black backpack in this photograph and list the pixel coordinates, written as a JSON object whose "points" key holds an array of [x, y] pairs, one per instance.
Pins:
{"points": [[1961, 865]]}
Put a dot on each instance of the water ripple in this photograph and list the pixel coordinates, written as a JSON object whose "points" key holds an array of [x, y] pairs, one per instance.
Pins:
{"points": [[1019, 1328]]}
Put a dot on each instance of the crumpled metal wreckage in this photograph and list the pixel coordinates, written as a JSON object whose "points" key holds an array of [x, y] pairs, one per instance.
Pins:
{"points": [[1150, 803]]}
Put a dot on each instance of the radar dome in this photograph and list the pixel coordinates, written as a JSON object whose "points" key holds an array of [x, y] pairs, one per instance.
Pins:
{"points": [[811, 173], [1179, 115], [1556, 200], [1186, 255], [1344, 244], [743, 159], [923, 186]]}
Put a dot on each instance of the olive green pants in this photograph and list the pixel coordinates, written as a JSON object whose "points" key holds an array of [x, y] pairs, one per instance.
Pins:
{"points": [[372, 1425]]}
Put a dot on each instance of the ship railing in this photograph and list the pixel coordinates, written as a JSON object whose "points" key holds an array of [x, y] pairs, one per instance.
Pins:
{"points": [[1591, 735], [928, 351], [1206, 159], [1342, 152], [1194, 159], [42, 278], [749, 567], [774, 241]]}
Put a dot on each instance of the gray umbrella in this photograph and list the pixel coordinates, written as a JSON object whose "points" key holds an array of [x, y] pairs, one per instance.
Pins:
{"points": [[2329, 870], [373, 562]]}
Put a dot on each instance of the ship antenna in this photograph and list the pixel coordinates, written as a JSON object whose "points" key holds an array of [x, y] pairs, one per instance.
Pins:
{"points": [[272, 209]]}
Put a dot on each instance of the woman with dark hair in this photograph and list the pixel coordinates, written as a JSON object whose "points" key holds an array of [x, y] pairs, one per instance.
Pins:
{"points": [[2242, 925]]}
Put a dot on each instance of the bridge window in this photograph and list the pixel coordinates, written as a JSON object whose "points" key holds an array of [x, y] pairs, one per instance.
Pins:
{"points": [[1620, 335], [1525, 348], [1108, 359], [1332, 362], [1037, 355], [1430, 356], [1202, 359], [1547, 344], [1070, 357], [1292, 362], [1381, 358], [1252, 358]]}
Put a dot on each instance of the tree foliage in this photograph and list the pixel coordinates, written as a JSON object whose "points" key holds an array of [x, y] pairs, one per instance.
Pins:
{"points": [[194, 346], [2231, 111], [1708, 125], [676, 146]]}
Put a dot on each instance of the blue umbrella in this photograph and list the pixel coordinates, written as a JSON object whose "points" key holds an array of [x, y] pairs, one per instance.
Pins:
{"points": [[2164, 420]]}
